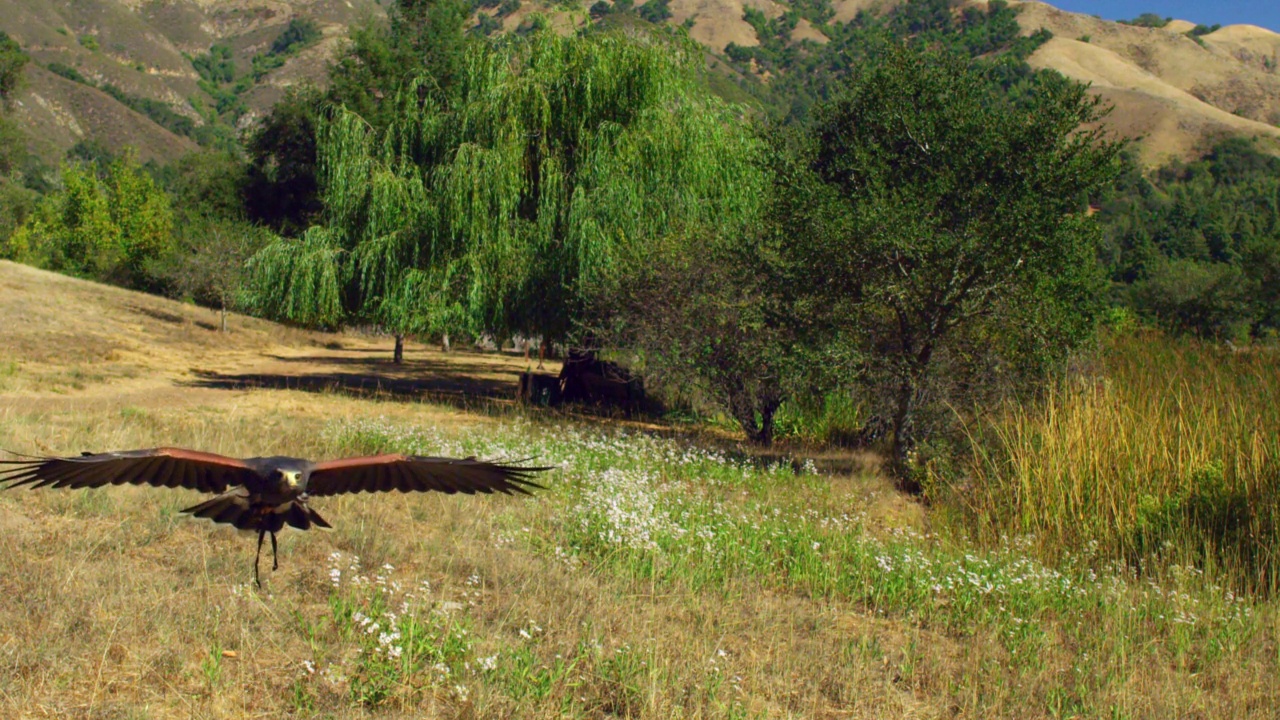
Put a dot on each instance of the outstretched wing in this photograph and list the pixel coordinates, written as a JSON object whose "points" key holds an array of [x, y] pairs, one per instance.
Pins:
{"points": [[161, 467], [406, 473]]}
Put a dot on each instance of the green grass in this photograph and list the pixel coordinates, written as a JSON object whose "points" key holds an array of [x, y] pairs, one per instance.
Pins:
{"points": [[832, 419], [653, 512]]}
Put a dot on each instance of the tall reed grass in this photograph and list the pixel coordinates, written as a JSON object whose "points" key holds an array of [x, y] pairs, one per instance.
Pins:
{"points": [[1164, 451]]}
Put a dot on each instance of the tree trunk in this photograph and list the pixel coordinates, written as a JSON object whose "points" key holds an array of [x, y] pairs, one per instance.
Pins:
{"points": [[444, 343], [398, 358], [901, 436], [543, 349], [224, 316], [759, 430], [765, 436]]}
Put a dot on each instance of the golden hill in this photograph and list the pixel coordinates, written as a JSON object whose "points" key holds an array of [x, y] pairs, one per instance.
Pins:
{"points": [[1178, 94]]}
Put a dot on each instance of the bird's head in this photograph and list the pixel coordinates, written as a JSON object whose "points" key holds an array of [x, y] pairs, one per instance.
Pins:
{"points": [[292, 478]]}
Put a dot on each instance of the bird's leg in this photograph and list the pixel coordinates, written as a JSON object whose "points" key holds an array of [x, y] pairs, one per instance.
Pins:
{"points": [[275, 562], [257, 579]]}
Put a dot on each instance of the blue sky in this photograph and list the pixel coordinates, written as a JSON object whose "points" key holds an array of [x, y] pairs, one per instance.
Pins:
{"points": [[1226, 12]]}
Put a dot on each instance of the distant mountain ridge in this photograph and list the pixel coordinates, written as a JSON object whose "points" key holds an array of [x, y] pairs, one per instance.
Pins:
{"points": [[107, 69]]}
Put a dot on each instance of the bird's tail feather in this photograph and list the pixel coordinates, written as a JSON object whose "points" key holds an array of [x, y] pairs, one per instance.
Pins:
{"points": [[303, 517], [221, 509]]}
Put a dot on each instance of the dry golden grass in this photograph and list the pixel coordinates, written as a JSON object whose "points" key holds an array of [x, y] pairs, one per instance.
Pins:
{"points": [[733, 591], [1172, 447]]}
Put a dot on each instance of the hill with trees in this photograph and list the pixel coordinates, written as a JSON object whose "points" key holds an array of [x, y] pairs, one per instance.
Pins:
{"points": [[166, 76]]}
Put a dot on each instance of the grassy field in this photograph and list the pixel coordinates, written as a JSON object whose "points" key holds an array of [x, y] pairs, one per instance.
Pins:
{"points": [[657, 577]]}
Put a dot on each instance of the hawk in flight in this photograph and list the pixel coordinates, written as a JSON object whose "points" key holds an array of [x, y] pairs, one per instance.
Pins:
{"points": [[267, 493]]}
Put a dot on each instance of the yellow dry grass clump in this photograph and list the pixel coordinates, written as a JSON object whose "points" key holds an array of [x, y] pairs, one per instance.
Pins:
{"points": [[1172, 447], [654, 578]]}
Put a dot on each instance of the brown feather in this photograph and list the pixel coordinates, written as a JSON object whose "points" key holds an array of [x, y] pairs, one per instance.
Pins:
{"points": [[161, 467], [380, 473]]}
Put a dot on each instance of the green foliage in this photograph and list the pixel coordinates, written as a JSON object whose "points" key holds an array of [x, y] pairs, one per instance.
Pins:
{"points": [[1200, 30], [1148, 20], [806, 73], [207, 263], [281, 188], [655, 11], [298, 280], [218, 79], [17, 203], [68, 72], [423, 39], [705, 325], [110, 228], [299, 34], [92, 153], [489, 204], [71, 231], [532, 23], [216, 69], [89, 42], [209, 183], [1196, 248], [142, 212], [931, 225], [12, 62], [486, 24], [1210, 299], [13, 147], [217, 65], [213, 240]]}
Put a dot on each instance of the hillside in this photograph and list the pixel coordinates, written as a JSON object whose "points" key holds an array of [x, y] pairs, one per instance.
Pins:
{"points": [[144, 50], [1176, 91]]}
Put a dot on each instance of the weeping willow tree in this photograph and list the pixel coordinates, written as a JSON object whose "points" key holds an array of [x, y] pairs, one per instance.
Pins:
{"points": [[494, 207]]}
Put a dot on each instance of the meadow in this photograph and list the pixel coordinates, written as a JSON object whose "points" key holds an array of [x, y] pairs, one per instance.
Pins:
{"points": [[663, 572]]}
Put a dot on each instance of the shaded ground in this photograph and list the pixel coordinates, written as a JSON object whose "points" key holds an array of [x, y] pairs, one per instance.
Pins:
{"points": [[67, 340]]}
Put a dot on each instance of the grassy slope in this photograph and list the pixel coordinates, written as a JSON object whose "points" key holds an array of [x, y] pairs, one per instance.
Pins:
{"points": [[653, 579], [140, 49]]}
